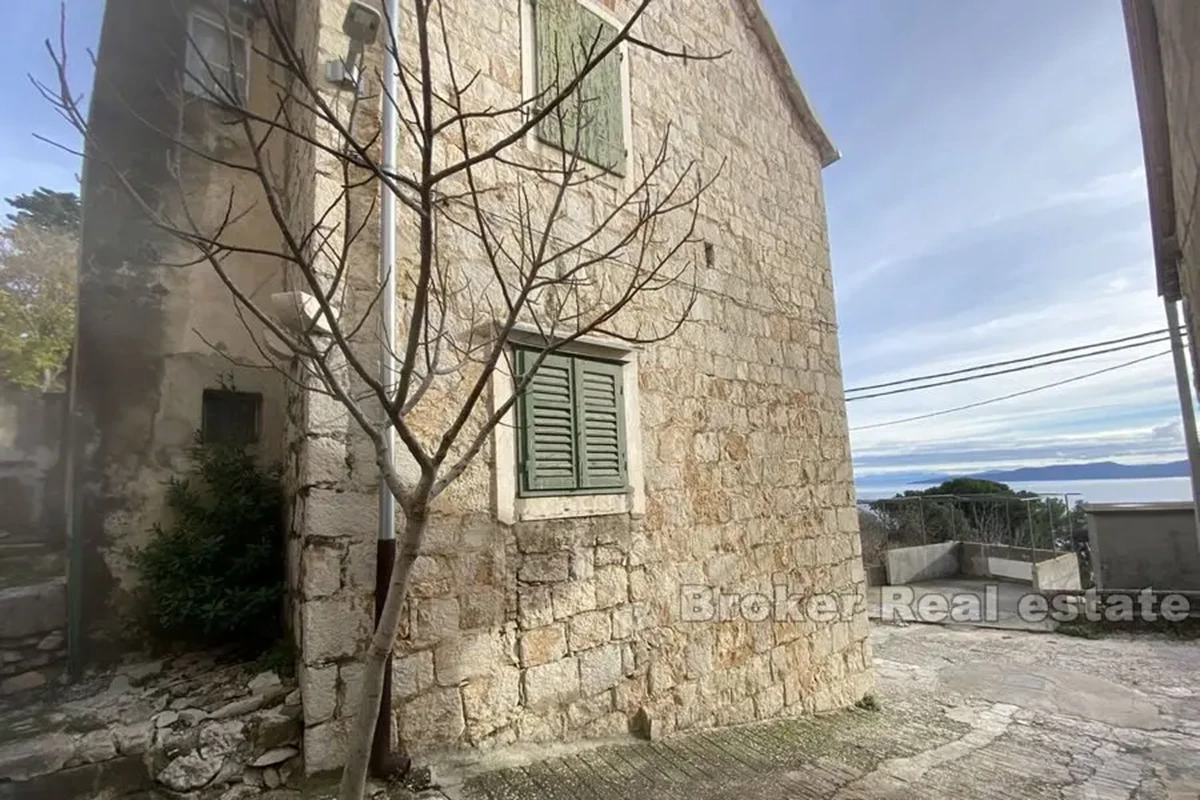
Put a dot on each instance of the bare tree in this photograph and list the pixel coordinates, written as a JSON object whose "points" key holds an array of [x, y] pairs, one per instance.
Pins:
{"points": [[499, 243]]}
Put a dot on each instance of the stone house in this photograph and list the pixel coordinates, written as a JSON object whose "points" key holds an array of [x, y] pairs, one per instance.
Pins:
{"points": [[553, 600], [1164, 45]]}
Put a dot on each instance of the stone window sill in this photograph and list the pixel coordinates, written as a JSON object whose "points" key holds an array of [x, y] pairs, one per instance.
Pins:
{"points": [[572, 506]]}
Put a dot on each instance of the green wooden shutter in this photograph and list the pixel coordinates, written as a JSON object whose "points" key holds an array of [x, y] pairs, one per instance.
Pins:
{"points": [[564, 34], [603, 107], [556, 38], [600, 410], [547, 423]]}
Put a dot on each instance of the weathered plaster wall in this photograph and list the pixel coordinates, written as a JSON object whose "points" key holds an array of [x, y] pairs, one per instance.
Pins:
{"points": [[1152, 545], [153, 333], [568, 628]]}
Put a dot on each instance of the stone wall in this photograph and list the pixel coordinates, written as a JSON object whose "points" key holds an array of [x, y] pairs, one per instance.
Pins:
{"points": [[566, 628], [31, 425], [33, 644], [1178, 33], [33, 597]]}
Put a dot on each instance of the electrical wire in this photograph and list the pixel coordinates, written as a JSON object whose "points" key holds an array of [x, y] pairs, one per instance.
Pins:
{"points": [[1064, 382], [1022, 368], [1010, 361]]}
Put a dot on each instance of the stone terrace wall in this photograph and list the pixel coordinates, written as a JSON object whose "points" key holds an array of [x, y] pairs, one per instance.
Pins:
{"points": [[553, 630]]}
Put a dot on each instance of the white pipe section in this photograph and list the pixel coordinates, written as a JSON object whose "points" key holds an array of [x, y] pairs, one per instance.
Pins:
{"points": [[388, 371], [1186, 407]]}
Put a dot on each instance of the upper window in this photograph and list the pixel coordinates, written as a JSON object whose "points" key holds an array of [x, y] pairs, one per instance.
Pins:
{"points": [[571, 425], [591, 122], [218, 59]]}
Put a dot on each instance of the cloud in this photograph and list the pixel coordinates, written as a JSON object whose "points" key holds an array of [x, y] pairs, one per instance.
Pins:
{"points": [[990, 205], [1171, 432]]}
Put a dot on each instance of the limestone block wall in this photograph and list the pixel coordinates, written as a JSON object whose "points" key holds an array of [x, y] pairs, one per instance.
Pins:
{"points": [[1178, 32], [567, 628]]}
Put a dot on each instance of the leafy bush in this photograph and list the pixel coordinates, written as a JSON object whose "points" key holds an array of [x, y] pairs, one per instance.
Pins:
{"points": [[215, 576]]}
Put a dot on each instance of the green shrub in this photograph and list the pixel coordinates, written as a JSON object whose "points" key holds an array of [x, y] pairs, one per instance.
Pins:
{"points": [[215, 575]]}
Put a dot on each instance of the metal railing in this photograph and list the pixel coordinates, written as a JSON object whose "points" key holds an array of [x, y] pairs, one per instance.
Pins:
{"points": [[1049, 522]]}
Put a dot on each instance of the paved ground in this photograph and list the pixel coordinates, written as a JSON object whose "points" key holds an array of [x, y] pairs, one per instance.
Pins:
{"points": [[965, 713], [997, 600]]}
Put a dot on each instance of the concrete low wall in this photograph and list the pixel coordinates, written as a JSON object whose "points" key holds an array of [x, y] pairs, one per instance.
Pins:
{"points": [[1002, 561], [975, 556], [1147, 545], [1009, 569], [922, 563], [1046, 568], [1060, 573]]}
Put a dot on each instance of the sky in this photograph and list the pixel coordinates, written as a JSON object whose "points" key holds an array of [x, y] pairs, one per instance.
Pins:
{"points": [[25, 162], [990, 203]]}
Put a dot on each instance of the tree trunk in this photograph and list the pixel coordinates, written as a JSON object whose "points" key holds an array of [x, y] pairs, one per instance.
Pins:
{"points": [[358, 749]]}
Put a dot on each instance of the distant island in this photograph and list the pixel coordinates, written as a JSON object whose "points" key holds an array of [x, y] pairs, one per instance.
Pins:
{"points": [[1091, 471]]}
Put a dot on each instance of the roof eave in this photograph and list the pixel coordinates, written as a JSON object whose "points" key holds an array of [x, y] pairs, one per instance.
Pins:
{"points": [[1141, 27], [826, 150]]}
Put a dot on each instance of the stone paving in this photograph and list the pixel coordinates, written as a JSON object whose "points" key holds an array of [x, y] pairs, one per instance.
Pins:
{"points": [[963, 713]]}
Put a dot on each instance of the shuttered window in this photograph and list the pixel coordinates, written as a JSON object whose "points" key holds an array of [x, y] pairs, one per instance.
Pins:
{"points": [[572, 426], [591, 122]]}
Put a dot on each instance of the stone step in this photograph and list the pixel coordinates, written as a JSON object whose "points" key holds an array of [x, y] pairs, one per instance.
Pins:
{"points": [[33, 621], [22, 564], [32, 609]]}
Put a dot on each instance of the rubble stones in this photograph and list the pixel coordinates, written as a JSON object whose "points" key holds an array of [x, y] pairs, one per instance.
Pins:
{"points": [[190, 771], [21, 760], [273, 757], [107, 737], [22, 683], [265, 683], [133, 740], [166, 719]]}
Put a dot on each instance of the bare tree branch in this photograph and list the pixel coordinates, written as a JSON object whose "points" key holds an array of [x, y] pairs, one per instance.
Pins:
{"points": [[502, 237]]}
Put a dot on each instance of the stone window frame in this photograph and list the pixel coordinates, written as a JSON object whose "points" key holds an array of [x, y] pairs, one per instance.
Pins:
{"points": [[510, 506], [239, 28], [529, 77]]}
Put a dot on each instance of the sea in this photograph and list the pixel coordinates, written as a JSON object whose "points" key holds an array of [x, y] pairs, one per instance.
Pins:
{"points": [[1138, 490]]}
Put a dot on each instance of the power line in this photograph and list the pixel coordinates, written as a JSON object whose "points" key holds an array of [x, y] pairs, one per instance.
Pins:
{"points": [[1022, 368], [1011, 396], [1009, 362]]}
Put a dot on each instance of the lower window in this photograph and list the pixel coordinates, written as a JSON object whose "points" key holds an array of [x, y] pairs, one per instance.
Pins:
{"points": [[571, 426]]}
